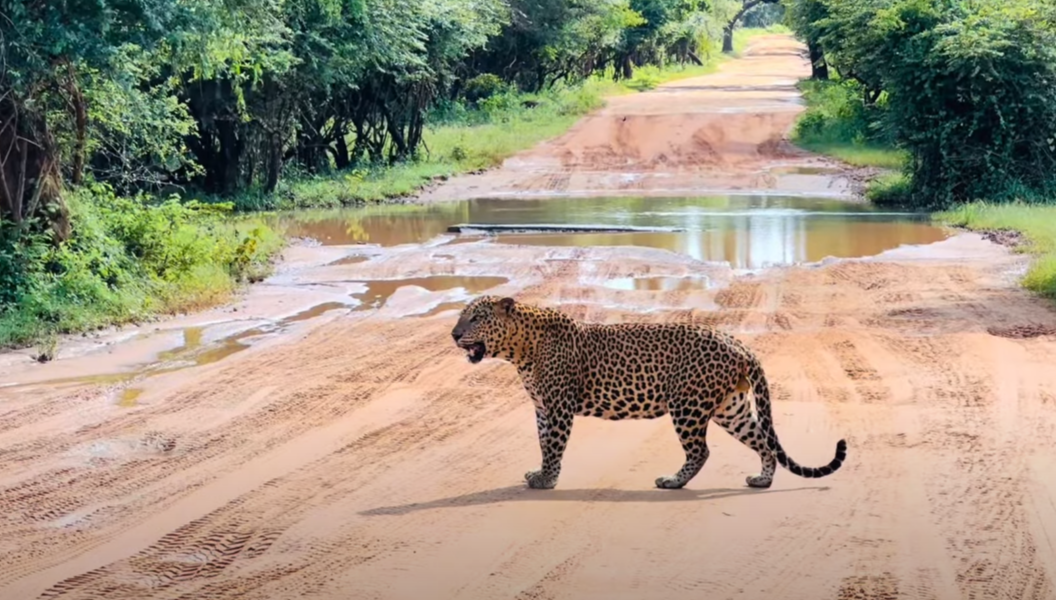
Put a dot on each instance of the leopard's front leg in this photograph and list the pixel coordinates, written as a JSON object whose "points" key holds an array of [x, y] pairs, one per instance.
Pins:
{"points": [[554, 425], [542, 427]]}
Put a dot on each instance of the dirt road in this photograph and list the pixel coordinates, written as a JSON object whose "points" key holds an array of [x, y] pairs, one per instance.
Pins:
{"points": [[724, 133], [365, 458]]}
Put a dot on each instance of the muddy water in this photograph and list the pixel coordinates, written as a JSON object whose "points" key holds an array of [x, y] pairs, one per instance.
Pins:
{"points": [[746, 231], [197, 349], [761, 242], [386, 225]]}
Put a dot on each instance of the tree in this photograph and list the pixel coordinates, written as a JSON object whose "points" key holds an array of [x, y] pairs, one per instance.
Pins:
{"points": [[727, 32], [678, 29], [49, 45], [224, 95], [546, 41], [967, 88], [803, 16]]}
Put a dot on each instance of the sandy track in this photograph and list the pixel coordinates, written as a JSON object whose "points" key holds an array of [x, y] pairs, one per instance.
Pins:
{"points": [[368, 459]]}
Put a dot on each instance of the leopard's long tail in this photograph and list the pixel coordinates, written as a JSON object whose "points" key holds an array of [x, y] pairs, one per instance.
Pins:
{"points": [[762, 402]]}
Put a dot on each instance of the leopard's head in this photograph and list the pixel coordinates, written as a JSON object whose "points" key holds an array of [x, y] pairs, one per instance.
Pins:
{"points": [[486, 328]]}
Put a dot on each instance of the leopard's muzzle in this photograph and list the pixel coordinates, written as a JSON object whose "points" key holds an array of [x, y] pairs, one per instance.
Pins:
{"points": [[475, 351]]}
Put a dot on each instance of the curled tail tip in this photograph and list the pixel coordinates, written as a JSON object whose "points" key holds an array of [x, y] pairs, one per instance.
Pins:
{"points": [[841, 450]]}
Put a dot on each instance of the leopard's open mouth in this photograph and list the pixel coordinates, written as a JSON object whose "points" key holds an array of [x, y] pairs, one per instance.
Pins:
{"points": [[475, 351]]}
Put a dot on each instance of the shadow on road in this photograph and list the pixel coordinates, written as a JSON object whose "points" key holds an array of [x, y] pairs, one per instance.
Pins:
{"points": [[521, 493]]}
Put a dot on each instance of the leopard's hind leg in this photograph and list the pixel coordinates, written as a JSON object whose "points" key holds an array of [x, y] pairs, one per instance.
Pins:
{"points": [[736, 416]]}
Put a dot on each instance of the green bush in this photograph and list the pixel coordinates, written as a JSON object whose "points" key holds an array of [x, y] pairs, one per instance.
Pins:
{"points": [[838, 122], [890, 189], [836, 113], [645, 78], [21, 254], [974, 100], [484, 86], [127, 259], [967, 89]]}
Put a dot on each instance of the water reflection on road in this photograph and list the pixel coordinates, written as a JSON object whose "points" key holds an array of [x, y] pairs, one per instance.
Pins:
{"points": [[746, 231]]}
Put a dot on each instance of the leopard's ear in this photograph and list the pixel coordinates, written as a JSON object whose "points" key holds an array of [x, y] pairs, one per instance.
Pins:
{"points": [[505, 306]]}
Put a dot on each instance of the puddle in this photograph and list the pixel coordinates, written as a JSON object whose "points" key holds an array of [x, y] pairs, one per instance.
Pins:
{"points": [[384, 225], [314, 312], [193, 352], [348, 260], [380, 290], [747, 231], [442, 307], [805, 243], [101, 379], [491, 229], [658, 284], [227, 346], [129, 396], [192, 340]]}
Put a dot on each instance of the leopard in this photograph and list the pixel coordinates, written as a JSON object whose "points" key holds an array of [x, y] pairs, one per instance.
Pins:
{"points": [[571, 368]]}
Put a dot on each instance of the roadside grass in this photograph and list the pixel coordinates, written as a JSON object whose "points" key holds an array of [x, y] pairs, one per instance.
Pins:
{"points": [[855, 153], [889, 188], [650, 76], [1036, 223]]}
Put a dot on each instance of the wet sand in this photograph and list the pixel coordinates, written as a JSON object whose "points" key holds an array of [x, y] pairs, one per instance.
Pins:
{"points": [[358, 455]]}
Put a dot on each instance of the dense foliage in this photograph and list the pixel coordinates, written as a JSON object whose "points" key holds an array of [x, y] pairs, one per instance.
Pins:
{"points": [[966, 88], [227, 95]]}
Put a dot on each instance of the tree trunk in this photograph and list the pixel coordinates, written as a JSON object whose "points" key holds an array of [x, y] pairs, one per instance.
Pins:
{"points": [[540, 79], [231, 156], [727, 32], [359, 149], [30, 181], [274, 164], [80, 113], [341, 159], [819, 68], [627, 67], [399, 149], [727, 37]]}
